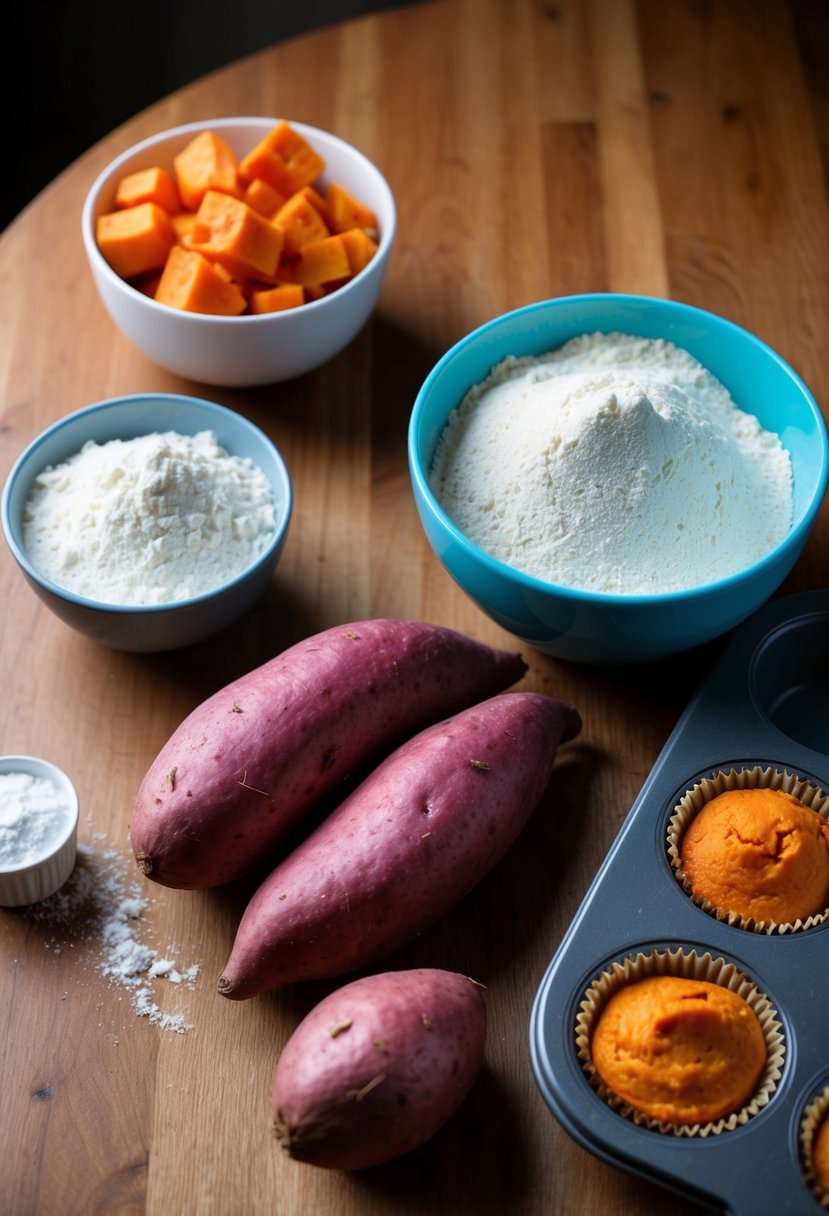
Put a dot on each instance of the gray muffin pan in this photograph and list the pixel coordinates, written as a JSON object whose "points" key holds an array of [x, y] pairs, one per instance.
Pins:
{"points": [[766, 702]]}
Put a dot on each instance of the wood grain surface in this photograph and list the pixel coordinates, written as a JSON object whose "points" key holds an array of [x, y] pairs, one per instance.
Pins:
{"points": [[535, 149]]}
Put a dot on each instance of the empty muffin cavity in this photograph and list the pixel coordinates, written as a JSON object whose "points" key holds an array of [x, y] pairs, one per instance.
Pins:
{"points": [[702, 971], [770, 862]]}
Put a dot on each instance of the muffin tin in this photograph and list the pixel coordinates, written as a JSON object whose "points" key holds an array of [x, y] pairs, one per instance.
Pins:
{"points": [[766, 704]]}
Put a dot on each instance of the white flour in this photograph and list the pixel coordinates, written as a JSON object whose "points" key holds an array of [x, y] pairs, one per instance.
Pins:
{"points": [[613, 464], [149, 520], [34, 814], [102, 916]]}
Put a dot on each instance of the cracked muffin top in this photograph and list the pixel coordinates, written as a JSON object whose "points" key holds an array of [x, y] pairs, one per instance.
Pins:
{"points": [[759, 853], [679, 1050]]}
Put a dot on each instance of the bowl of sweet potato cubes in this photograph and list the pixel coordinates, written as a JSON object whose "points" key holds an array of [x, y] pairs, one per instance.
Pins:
{"points": [[239, 251]]}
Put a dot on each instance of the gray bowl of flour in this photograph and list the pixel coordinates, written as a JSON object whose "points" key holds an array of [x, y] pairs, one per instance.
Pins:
{"points": [[148, 522]]}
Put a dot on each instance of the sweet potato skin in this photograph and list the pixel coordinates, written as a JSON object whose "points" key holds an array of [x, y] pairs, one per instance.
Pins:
{"points": [[246, 765], [418, 833], [377, 1067]]}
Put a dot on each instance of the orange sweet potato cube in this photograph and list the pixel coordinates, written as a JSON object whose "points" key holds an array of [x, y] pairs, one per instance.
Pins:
{"points": [[183, 224], [320, 262], [317, 202], [263, 198], [284, 159], [232, 233], [346, 212], [154, 185], [206, 163], [359, 247], [190, 282], [136, 239], [300, 223], [276, 299]]}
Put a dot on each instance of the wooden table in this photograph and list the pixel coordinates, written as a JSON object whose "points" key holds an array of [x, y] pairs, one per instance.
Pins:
{"points": [[535, 150]]}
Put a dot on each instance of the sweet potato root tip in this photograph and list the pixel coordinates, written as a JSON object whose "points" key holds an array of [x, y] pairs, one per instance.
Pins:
{"points": [[298, 1142], [289, 1137]]}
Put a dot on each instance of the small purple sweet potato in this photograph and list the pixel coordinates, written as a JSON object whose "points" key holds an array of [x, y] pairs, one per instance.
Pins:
{"points": [[243, 768], [404, 847], [377, 1067]]}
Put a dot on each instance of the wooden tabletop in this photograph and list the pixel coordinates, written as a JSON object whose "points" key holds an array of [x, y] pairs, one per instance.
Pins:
{"points": [[535, 150]]}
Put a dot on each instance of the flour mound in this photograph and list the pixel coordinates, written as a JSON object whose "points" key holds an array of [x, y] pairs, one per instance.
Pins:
{"points": [[613, 464], [150, 520]]}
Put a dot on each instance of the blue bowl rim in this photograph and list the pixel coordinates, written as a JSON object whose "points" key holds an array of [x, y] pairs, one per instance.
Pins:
{"points": [[530, 583], [70, 597], [387, 233]]}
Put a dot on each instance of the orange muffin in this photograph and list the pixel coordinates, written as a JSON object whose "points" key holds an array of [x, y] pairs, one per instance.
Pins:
{"points": [[820, 1155], [679, 1050], [759, 853]]}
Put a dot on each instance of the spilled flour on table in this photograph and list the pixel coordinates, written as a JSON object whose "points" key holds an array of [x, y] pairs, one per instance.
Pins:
{"points": [[102, 910]]}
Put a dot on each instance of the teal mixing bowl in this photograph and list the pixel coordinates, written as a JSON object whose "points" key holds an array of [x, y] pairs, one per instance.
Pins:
{"points": [[593, 627]]}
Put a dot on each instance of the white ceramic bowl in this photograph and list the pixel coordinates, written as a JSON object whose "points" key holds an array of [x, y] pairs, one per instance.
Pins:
{"points": [[151, 627], [249, 349], [41, 870]]}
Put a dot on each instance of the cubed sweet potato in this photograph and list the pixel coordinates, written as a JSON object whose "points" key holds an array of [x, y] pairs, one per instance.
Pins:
{"points": [[155, 185], [206, 163], [284, 159], [300, 223], [192, 283], [276, 299], [230, 232], [359, 248], [345, 211], [264, 198], [136, 239], [319, 262]]}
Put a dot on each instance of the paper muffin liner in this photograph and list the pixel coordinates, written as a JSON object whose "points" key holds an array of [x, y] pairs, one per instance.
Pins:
{"points": [[692, 966], [816, 1111], [692, 802]]}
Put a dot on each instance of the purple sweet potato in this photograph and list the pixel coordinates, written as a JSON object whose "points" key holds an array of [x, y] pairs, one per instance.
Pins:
{"points": [[242, 769], [377, 1067], [414, 837]]}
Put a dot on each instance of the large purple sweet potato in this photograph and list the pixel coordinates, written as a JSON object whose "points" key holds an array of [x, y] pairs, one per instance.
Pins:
{"points": [[377, 1067], [245, 766], [404, 847]]}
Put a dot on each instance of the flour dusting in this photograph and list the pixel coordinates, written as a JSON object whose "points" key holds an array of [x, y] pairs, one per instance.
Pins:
{"points": [[105, 913]]}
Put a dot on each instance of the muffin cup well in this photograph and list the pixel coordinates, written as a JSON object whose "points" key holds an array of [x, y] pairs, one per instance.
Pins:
{"points": [[693, 966], [709, 788], [816, 1111]]}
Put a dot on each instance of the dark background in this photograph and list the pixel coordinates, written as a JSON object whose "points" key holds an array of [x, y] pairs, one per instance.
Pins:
{"points": [[73, 70]]}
